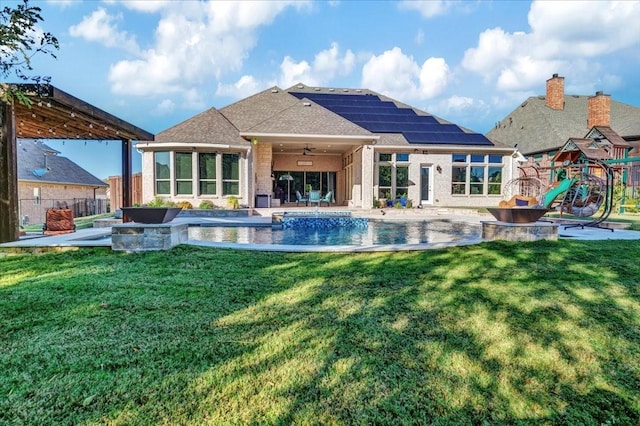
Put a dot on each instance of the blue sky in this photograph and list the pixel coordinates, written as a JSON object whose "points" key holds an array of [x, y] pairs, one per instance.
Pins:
{"points": [[157, 63]]}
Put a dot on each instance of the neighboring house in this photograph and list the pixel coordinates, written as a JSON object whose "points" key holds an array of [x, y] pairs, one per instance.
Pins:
{"points": [[46, 180], [360, 145], [545, 128]]}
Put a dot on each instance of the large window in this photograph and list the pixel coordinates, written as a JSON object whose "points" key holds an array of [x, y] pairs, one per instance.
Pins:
{"points": [[230, 174], [162, 173], [207, 173], [393, 175], [212, 174], [184, 173], [476, 174]]}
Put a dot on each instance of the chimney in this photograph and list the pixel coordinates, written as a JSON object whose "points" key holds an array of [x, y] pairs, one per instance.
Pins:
{"points": [[555, 92], [599, 110]]}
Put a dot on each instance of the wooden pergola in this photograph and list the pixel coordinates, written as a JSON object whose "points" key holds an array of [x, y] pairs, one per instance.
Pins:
{"points": [[55, 114]]}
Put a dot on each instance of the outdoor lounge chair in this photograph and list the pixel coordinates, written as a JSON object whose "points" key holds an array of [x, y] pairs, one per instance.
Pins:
{"points": [[314, 197], [326, 198], [301, 199]]}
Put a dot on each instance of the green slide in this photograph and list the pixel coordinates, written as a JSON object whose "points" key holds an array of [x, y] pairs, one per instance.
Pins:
{"points": [[563, 186]]}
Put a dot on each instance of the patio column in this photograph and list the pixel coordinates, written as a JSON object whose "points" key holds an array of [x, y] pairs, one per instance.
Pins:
{"points": [[9, 218]]}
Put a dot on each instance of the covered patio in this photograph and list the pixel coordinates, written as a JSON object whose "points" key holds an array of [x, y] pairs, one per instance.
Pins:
{"points": [[55, 114]]}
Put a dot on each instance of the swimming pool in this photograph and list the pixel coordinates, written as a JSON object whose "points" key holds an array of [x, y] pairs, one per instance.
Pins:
{"points": [[379, 234]]}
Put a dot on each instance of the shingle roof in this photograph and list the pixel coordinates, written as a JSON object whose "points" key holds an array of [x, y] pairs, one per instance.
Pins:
{"points": [[209, 126], [307, 117], [534, 127], [611, 135], [31, 157], [255, 109]]}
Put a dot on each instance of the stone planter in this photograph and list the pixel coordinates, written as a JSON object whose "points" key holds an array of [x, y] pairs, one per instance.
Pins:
{"points": [[150, 214]]}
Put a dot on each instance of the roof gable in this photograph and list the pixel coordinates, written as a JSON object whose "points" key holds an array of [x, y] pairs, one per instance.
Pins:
{"points": [[308, 118], [255, 109], [209, 126]]}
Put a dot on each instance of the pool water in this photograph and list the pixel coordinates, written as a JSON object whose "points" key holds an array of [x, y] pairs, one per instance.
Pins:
{"points": [[377, 233]]}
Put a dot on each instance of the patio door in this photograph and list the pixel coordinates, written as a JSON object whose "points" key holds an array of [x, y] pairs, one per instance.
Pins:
{"points": [[426, 185]]}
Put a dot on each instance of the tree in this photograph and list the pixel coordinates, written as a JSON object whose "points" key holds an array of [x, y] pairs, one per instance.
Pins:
{"points": [[20, 40]]}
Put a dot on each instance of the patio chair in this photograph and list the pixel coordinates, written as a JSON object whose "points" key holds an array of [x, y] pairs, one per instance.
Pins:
{"points": [[301, 199], [314, 197], [326, 198]]}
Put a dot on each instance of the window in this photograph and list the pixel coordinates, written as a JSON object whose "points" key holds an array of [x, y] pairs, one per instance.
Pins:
{"points": [[230, 174], [184, 173], [384, 182], [393, 175], [207, 173], [476, 174], [162, 173]]}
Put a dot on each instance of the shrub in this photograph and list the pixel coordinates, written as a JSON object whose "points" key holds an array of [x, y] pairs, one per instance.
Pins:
{"points": [[185, 205], [232, 202], [160, 202], [206, 205]]}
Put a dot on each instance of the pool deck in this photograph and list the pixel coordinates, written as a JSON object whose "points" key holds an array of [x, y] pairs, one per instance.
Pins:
{"points": [[100, 237]]}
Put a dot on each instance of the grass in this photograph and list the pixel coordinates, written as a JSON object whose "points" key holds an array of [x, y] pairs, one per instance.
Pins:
{"points": [[498, 333]]}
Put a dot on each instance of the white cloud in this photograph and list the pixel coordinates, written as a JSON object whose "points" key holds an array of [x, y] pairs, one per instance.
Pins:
{"points": [[102, 28], [165, 107], [194, 42], [428, 9], [327, 64], [246, 86], [399, 76], [562, 34], [419, 38]]}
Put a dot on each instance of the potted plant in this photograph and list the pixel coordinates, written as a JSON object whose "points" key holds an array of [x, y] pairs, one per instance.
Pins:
{"points": [[403, 200]]}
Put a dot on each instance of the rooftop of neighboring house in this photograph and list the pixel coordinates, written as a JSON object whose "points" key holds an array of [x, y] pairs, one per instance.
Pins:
{"points": [[545, 123], [303, 110], [38, 162]]}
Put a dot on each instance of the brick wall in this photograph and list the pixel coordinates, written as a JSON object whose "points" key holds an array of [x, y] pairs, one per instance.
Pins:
{"points": [[36, 197], [599, 110], [555, 92]]}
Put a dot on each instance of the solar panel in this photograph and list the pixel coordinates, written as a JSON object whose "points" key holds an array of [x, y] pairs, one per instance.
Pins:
{"points": [[378, 116], [458, 138]]}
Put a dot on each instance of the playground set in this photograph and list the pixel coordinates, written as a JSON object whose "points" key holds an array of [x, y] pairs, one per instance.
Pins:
{"points": [[584, 189]]}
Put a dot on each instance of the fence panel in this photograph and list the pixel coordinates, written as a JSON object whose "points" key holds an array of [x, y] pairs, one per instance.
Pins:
{"points": [[33, 211]]}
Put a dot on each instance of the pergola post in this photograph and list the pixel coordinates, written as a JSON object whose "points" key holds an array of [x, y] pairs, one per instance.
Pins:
{"points": [[126, 176], [9, 217]]}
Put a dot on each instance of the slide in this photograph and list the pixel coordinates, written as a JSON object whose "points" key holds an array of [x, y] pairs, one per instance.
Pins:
{"points": [[562, 187]]}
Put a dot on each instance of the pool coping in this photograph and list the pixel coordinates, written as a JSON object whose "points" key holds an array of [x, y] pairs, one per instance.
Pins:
{"points": [[96, 237]]}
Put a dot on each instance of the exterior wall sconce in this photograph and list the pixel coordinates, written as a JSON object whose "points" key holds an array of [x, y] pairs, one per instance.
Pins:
{"points": [[438, 168]]}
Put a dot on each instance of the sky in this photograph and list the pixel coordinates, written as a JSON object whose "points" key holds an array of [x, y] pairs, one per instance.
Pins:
{"points": [[158, 63]]}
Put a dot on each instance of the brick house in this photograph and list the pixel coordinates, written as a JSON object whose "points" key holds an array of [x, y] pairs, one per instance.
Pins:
{"points": [[46, 180], [357, 144], [542, 127]]}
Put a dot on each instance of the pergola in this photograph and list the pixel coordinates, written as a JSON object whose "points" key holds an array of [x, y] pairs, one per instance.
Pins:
{"points": [[55, 114]]}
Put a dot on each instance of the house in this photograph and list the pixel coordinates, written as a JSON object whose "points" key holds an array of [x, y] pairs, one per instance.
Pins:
{"points": [[46, 180], [545, 128], [359, 145]]}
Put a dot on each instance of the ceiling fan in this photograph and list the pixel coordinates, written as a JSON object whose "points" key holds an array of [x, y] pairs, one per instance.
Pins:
{"points": [[307, 151]]}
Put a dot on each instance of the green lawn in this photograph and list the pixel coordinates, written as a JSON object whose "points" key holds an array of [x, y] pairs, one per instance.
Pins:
{"points": [[498, 333]]}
